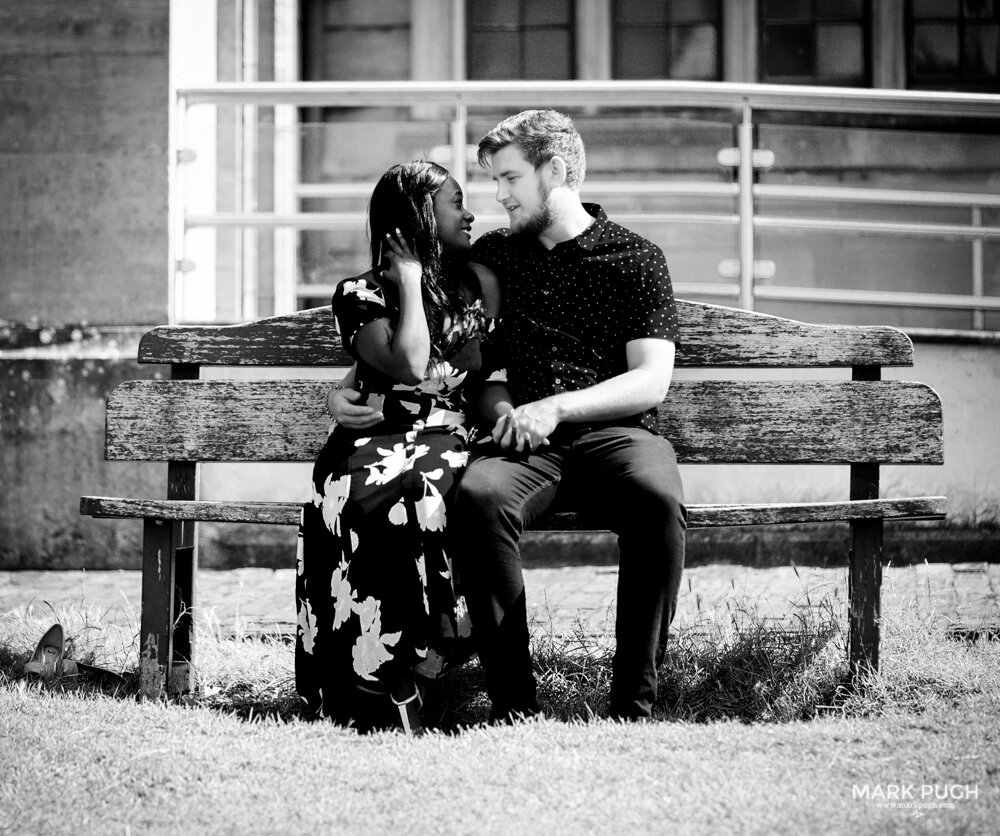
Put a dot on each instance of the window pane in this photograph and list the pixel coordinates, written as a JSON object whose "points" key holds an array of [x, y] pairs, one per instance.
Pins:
{"points": [[493, 13], [789, 51], [981, 50], [786, 9], [935, 8], [494, 55], [840, 53], [546, 12], [935, 49], [547, 54], [641, 11], [641, 53], [694, 53], [840, 9], [978, 8], [692, 11]]}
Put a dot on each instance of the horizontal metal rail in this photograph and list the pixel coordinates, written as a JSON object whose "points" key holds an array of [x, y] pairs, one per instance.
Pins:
{"points": [[888, 196], [774, 293], [700, 95], [745, 101], [666, 188], [883, 298], [963, 232], [684, 290], [329, 220]]}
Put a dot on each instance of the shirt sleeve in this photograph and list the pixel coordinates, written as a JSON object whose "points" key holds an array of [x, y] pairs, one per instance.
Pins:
{"points": [[652, 312], [356, 302], [488, 251]]}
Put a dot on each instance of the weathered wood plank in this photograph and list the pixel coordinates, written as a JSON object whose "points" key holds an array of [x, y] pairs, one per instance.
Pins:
{"points": [[831, 422], [711, 335], [699, 516]]}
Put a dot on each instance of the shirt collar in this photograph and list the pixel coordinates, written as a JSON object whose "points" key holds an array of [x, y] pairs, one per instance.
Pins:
{"points": [[589, 238]]}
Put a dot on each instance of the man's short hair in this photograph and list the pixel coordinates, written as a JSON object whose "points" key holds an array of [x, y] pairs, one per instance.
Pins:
{"points": [[541, 135]]}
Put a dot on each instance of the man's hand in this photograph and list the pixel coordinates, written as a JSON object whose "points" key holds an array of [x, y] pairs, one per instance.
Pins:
{"points": [[469, 357], [343, 406], [527, 427]]}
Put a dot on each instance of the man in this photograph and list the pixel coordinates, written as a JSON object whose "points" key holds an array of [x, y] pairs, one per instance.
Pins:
{"points": [[589, 326]]}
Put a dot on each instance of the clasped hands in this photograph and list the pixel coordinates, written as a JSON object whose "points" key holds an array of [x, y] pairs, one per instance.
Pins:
{"points": [[526, 428]]}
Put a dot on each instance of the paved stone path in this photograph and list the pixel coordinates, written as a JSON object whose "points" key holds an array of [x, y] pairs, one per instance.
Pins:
{"points": [[560, 599]]}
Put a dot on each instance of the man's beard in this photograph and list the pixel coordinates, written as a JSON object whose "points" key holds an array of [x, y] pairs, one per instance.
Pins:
{"points": [[534, 225]]}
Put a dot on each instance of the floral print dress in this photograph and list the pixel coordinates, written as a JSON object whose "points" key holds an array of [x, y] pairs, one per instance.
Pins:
{"points": [[374, 585]]}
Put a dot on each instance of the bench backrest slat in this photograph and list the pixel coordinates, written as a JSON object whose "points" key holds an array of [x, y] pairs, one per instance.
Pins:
{"points": [[711, 336], [708, 421]]}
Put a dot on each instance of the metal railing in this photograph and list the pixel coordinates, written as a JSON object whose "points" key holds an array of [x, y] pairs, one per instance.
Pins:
{"points": [[744, 103]]}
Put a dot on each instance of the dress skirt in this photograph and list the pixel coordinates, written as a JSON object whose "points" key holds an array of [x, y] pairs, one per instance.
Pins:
{"points": [[374, 585]]}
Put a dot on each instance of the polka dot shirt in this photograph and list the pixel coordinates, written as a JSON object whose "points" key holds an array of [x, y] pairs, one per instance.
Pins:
{"points": [[568, 312]]}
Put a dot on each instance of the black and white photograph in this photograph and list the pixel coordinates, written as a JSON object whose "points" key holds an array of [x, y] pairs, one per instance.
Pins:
{"points": [[499, 416]]}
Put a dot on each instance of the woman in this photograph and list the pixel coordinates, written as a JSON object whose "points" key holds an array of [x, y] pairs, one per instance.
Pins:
{"points": [[374, 592]]}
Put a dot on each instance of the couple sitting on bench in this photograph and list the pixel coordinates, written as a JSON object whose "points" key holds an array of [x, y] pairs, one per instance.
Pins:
{"points": [[414, 515]]}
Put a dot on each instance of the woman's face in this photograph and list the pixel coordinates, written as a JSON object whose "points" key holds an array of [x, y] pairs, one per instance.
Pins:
{"points": [[454, 221]]}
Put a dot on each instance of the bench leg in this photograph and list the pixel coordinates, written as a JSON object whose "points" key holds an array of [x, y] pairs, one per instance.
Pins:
{"points": [[864, 580], [166, 644], [180, 669]]}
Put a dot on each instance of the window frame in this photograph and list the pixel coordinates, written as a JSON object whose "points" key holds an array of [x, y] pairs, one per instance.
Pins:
{"points": [[960, 81], [814, 22], [521, 29]]}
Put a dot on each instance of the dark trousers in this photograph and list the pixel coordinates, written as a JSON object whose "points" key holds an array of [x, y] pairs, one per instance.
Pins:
{"points": [[627, 479]]}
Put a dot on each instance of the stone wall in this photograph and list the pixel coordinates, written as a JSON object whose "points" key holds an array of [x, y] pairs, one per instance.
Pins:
{"points": [[84, 98], [83, 161]]}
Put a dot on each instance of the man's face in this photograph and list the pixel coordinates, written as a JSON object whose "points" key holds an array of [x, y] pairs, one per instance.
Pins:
{"points": [[522, 191]]}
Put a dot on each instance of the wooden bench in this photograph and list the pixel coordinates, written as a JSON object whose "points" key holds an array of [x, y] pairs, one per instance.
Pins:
{"points": [[863, 422]]}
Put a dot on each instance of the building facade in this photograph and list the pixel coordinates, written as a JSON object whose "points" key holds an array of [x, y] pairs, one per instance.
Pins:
{"points": [[130, 205]]}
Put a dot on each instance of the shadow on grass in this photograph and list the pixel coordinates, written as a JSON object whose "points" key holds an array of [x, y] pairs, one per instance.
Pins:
{"points": [[733, 664]]}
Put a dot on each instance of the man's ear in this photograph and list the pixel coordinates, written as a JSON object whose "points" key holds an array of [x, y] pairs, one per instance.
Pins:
{"points": [[556, 169]]}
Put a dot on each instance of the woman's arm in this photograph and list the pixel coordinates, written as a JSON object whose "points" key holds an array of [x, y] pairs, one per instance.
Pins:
{"points": [[403, 353]]}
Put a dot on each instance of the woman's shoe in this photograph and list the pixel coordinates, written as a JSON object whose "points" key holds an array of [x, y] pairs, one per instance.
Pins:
{"points": [[409, 713], [47, 660]]}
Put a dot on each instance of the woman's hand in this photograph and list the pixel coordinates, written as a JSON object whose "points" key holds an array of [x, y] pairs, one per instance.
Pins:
{"points": [[404, 267], [343, 406]]}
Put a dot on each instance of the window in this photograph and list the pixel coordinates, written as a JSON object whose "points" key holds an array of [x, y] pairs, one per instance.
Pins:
{"points": [[953, 44], [815, 42], [531, 39], [676, 39]]}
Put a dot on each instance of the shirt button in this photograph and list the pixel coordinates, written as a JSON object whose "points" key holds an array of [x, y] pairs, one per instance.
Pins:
{"points": [[558, 381]]}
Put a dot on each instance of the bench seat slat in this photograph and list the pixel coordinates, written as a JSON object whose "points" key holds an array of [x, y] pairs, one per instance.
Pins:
{"points": [[711, 335], [825, 422], [699, 516]]}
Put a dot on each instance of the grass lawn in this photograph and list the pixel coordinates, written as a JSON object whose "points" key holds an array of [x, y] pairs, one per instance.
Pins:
{"points": [[753, 735]]}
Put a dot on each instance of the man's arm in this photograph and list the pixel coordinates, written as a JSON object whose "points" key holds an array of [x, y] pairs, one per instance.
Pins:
{"points": [[650, 367]]}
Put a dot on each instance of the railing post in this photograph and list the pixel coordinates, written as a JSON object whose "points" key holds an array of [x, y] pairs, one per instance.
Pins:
{"points": [[978, 314], [459, 131], [286, 164], [249, 126], [745, 183], [178, 213]]}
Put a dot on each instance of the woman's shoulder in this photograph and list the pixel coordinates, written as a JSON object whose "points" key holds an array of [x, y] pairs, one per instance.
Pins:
{"points": [[363, 288]]}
